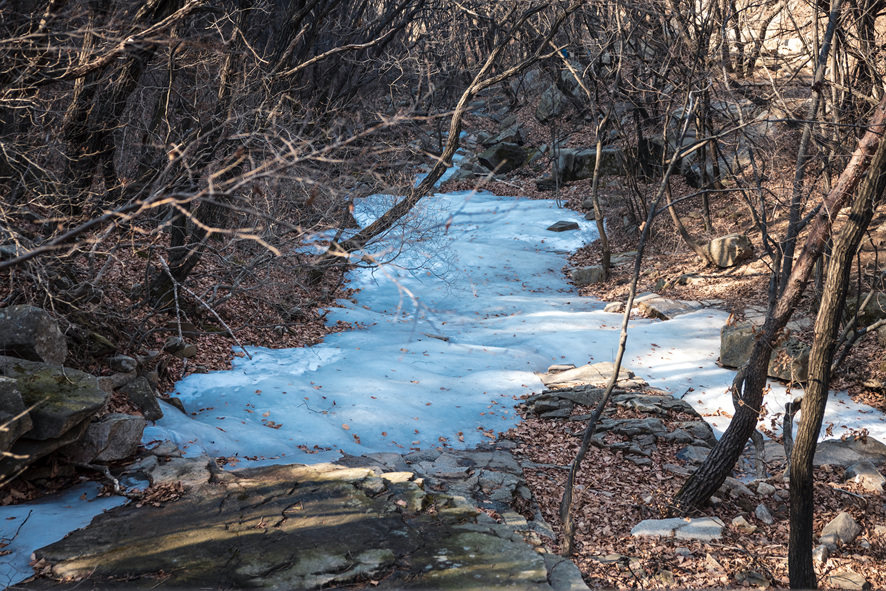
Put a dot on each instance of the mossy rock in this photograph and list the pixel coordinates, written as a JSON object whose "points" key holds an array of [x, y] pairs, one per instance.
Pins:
{"points": [[58, 398]]}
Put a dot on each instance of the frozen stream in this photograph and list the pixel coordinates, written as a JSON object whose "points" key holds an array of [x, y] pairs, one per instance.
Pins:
{"points": [[451, 334]]}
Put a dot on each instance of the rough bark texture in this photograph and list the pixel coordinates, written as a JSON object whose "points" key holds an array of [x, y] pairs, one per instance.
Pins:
{"points": [[802, 573], [750, 382]]}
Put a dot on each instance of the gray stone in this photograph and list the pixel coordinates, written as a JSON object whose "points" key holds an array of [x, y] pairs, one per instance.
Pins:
{"points": [[752, 578], [836, 452], [122, 363], [728, 251], [59, 398], [693, 454], [874, 311], [842, 529], [700, 430], [763, 514], [502, 158], [114, 381], [177, 347], [705, 529], [563, 226], [820, 554], [577, 164], [115, 437], [552, 104], [563, 575], [141, 394], [865, 474], [587, 275], [14, 418], [26, 451], [510, 135], [848, 580], [765, 489], [789, 361], [32, 334], [665, 309], [735, 488]]}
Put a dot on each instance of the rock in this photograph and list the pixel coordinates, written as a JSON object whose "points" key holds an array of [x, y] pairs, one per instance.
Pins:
{"points": [[122, 363], [59, 398], [14, 418], [874, 311], [865, 474], [577, 164], [764, 489], [114, 381], [843, 529], [115, 437], [587, 275], [26, 451], [509, 135], [848, 580], [752, 578], [563, 226], [141, 394], [304, 527], [502, 158], [788, 362], [693, 454], [700, 430], [32, 334], [734, 488], [177, 347], [763, 514], [728, 251], [705, 529], [743, 525], [552, 104], [563, 574], [820, 554], [597, 374], [837, 452], [665, 309]]}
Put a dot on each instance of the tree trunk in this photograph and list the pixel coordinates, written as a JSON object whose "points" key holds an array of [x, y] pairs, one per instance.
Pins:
{"points": [[802, 574], [751, 380]]}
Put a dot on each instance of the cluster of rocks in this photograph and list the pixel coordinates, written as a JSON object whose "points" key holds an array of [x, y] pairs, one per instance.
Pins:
{"points": [[436, 518], [46, 407]]}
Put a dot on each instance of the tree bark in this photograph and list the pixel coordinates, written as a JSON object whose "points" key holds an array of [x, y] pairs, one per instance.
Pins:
{"points": [[751, 380], [827, 323]]}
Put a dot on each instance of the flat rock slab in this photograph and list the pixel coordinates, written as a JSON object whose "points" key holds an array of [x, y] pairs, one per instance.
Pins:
{"points": [[597, 374], [705, 529], [845, 453], [311, 527], [665, 309]]}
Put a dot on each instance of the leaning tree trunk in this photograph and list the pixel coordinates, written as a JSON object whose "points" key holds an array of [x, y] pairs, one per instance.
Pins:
{"points": [[751, 380], [802, 574]]}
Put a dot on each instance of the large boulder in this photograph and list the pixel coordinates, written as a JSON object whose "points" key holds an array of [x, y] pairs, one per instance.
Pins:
{"points": [[576, 164], [14, 418], [58, 398], [503, 158], [728, 251], [837, 452], [552, 104], [113, 437], [789, 361], [32, 334], [509, 135], [141, 394]]}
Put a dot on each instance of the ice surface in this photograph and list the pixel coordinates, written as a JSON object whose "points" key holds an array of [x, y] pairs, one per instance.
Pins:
{"points": [[34, 525]]}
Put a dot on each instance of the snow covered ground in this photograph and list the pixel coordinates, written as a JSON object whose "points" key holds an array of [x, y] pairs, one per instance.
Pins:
{"points": [[451, 332]]}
